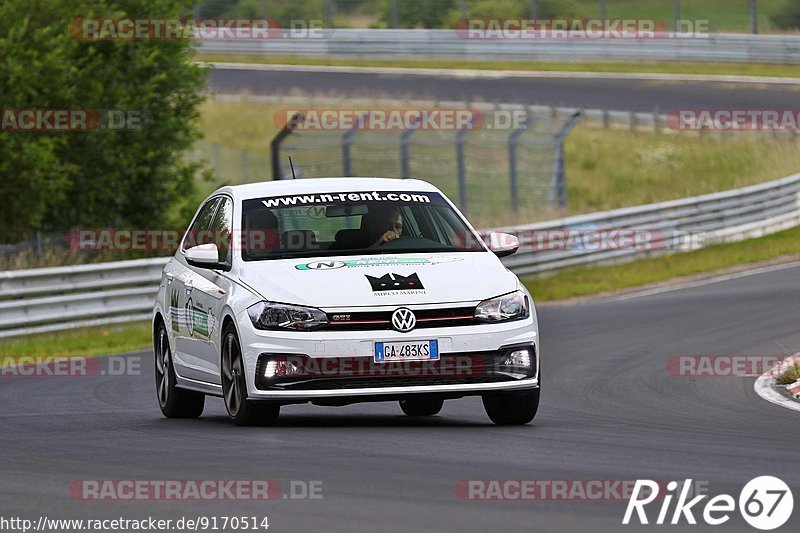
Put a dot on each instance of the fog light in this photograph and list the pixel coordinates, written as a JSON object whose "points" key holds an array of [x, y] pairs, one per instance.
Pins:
{"points": [[283, 367], [521, 357]]}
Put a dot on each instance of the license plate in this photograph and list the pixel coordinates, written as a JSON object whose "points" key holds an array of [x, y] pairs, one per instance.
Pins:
{"points": [[386, 352]]}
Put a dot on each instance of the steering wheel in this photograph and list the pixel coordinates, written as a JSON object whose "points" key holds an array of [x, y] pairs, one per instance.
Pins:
{"points": [[407, 242]]}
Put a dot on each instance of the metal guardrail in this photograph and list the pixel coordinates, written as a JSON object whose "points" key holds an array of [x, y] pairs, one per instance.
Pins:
{"points": [[33, 301], [669, 227], [379, 43], [48, 299]]}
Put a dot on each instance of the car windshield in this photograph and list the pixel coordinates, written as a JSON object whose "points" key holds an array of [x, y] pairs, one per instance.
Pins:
{"points": [[347, 223]]}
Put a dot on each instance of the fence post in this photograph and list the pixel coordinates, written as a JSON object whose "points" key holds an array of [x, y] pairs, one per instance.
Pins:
{"points": [[347, 139], [405, 138], [676, 14], [558, 187], [512, 161], [395, 17], [275, 145], [462, 169]]}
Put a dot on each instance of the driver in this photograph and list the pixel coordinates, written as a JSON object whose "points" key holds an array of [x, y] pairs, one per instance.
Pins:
{"points": [[385, 225]]}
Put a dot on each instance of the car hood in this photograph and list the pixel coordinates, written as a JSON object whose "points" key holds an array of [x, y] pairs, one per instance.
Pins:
{"points": [[375, 280]]}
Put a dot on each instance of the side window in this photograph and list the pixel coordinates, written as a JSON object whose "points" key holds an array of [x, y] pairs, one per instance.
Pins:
{"points": [[221, 230], [198, 233]]}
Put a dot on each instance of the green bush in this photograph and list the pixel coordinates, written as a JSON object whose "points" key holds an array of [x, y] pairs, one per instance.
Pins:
{"points": [[788, 17], [52, 181], [419, 13]]}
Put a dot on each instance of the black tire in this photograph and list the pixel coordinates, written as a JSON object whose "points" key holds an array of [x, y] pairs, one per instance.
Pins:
{"points": [[174, 402], [512, 408], [421, 406], [242, 411]]}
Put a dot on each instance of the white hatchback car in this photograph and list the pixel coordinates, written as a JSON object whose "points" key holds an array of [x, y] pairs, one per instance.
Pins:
{"points": [[341, 290]]}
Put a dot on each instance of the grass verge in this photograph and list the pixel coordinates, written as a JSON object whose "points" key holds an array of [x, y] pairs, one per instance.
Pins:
{"points": [[625, 67], [791, 375], [100, 340], [575, 282], [606, 168]]}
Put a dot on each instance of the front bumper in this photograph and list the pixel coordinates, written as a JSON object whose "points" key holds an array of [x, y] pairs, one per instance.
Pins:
{"points": [[321, 348]]}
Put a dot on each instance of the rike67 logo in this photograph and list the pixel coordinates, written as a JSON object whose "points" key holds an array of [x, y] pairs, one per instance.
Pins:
{"points": [[765, 503]]}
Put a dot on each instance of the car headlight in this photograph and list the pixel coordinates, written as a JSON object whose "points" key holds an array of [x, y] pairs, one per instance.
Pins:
{"points": [[512, 306], [270, 315]]}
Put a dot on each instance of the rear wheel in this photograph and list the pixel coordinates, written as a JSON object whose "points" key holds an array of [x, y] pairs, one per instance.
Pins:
{"points": [[174, 402], [512, 408], [242, 411], [421, 406]]}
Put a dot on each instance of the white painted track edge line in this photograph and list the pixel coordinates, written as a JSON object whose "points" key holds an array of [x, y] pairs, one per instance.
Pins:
{"points": [[707, 281], [765, 388], [479, 73]]}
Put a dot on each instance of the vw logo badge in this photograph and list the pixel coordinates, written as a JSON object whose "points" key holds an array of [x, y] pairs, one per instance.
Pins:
{"points": [[403, 320]]}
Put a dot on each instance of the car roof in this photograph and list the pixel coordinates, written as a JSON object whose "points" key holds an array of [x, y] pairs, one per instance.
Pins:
{"points": [[323, 185]]}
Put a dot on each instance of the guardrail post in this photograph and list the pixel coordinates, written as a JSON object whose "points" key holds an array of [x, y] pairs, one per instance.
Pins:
{"points": [[512, 161], [275, 145], [558, 187], [462, 169]]}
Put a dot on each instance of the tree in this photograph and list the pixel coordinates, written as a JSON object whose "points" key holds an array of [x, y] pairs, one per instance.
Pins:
{"points": [[420, 13], [513, 9], [788, 17], [52, 181]]}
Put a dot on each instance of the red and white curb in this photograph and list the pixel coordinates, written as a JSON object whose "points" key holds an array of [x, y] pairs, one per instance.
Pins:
{"points": [[768, 389]]}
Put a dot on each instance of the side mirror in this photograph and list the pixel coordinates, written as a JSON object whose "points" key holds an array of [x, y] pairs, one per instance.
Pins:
{"points": [[203, 256], [503, 244]]}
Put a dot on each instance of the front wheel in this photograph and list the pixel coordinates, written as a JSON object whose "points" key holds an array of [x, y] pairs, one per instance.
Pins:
{"points": [[174, 402], [512, 408], [242, 411], [421, 406]]}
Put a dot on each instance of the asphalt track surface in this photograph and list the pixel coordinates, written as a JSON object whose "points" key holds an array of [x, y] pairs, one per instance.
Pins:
{"points": [[614, 94], [609, 411]]}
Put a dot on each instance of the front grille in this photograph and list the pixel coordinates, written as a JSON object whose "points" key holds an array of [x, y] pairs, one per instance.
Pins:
{"points": [[344, 373], [382, 320]]}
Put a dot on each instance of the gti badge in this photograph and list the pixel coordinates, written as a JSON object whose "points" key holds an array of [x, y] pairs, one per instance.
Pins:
{"points": [[403, 320]]}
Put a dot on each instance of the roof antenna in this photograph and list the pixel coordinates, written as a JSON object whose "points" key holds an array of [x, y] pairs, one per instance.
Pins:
{"points": [[291, 165]]}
